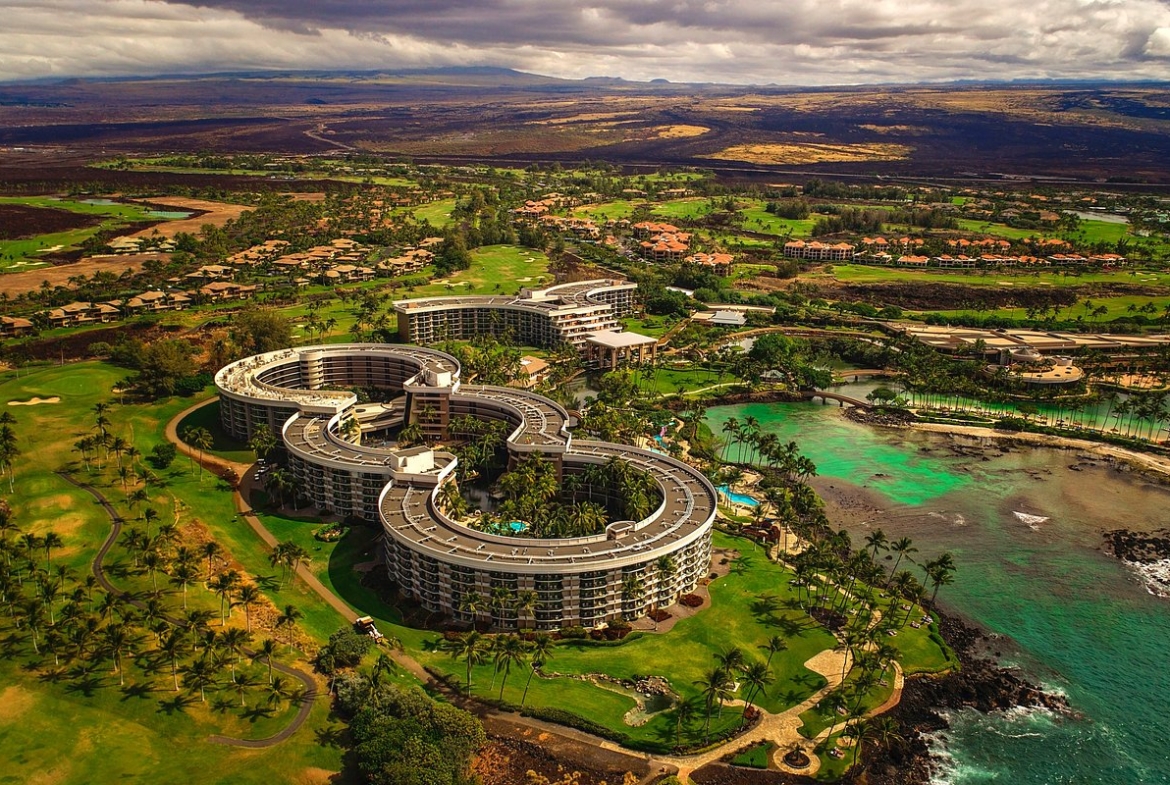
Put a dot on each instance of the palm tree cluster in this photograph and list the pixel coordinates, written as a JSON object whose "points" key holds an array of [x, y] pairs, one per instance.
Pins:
{"points": [[482, 443], [581, 504], [199, 438], [283, 486], [504, 652], [98, 446], [59, 614], [503, 605], [289, 556], [732, 672], [755, 447]]}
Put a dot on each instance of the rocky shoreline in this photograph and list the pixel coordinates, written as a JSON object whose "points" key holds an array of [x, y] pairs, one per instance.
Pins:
{"points": [[1147, 554], [980, 684]]}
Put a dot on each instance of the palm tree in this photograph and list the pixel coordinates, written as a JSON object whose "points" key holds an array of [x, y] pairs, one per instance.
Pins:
{"points": [[775, 645], [758, 676], [904, 547], [202, 440], [540, 651], [233, 640], [248, 595], [267, 650], [684, 712], [50, 541], [508, 651], [223, 585], [525, 603], [183, 574], [470, 646], [714, 686], [117, 641], [199, 675], [279, 691], [241, 684], [210, 550], [288, 619], [173, 646]]}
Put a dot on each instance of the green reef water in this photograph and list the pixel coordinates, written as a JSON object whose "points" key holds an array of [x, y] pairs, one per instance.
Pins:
{"points": [[1026, 532]]}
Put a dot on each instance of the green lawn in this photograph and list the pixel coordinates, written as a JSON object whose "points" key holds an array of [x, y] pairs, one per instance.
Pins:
{"points": [[495, 269], [758, 219], [654, 326], [607, 211], [437, 213], [755, 757], [680, 209]]}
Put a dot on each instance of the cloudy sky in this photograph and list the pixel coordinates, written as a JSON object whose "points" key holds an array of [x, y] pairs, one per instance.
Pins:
{"points": [[809, 42]]}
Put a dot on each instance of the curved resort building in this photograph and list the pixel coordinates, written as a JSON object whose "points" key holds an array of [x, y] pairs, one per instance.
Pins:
{"points": [[536, 317], [303, 395]]}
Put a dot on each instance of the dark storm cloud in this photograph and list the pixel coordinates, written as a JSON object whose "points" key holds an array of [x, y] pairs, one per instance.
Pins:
{"points": [[741, 41]]}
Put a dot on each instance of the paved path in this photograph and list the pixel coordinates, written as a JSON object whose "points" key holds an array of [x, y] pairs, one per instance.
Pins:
{"points": [[216, 464], [310, 685]]}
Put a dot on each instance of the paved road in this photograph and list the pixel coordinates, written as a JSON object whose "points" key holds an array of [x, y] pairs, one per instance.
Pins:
{"points": [[309, 695]]}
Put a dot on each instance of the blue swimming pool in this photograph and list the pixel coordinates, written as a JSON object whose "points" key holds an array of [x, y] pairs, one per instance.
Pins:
{"points": [[737, 498]]}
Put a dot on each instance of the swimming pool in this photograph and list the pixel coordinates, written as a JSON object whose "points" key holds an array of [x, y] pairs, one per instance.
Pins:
{"points": [[737, 498]]}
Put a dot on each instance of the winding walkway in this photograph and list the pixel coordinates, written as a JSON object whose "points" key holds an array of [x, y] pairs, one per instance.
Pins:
{"points": [[308, 696]]}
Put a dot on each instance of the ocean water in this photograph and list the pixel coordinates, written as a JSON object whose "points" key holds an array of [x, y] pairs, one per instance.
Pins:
{"points": [[1026, 533]]}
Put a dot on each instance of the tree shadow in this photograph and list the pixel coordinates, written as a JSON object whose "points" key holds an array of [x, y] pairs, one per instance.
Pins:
{"points": [[255, 713], [87, 685], [741, 565], [137, 690], [266, 582], [331, 736], [177, 704]]}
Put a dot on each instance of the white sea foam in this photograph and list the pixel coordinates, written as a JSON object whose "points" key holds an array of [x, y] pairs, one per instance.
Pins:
{"points": [[1155, 575], [1031, 521]]}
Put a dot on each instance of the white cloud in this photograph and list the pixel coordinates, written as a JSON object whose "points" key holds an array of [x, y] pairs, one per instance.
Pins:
{"points": [[739, 41]]}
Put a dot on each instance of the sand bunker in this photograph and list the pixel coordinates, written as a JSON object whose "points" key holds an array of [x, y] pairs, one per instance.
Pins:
{"points": [[35, 401]]}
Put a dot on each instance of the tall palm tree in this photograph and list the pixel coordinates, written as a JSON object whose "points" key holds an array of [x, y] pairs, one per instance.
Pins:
{"points": [[684, 712], [540, 651], [714, 687], [248, 595], [199, 675], [174, 646], [288, 619], [50, 541], [774, 646], [509, 651], [267, 649], [904, 547], [470, 647], [757, 675]]}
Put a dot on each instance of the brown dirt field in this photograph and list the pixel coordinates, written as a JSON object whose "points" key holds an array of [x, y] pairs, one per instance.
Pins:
{"points": [[15, 702], [18, 221], [215, 213], [315, 776], [18, 283]]}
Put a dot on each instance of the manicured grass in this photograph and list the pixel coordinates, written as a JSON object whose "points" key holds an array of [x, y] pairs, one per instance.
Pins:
{"points": [[667, 381], [758, 219], [755, 757], [438, 214], [683, 208], [495, 269], [223, 445], [654, 326], [607, 210]]}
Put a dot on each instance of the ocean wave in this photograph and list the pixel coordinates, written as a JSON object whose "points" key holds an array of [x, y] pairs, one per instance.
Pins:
{"points": [[1154, 575], [1031, 521]]}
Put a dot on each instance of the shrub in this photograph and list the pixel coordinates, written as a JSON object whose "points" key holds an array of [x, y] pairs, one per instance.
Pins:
{"points": [[574, 632], [690, 600], [162, 455]]}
